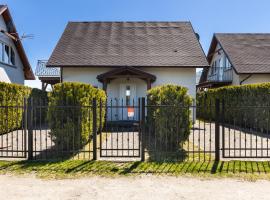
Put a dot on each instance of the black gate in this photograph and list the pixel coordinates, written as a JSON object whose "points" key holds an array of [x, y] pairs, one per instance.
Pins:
{"points": [[121, 133]]}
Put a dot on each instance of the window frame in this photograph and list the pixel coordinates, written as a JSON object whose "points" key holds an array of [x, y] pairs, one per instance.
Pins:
{"points": [[8, 60]]}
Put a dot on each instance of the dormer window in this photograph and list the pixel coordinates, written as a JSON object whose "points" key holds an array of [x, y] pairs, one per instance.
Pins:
{"points": [[7, 54]]}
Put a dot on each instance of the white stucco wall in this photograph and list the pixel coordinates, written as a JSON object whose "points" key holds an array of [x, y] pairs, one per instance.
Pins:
{"points": [[15, 73], [180, 76], [255, 78]]}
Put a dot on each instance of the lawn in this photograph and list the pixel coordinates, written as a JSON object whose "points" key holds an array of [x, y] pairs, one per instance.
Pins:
{"points": [[79, 168]]}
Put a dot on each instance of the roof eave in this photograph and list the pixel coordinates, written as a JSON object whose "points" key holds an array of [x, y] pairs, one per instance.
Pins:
{"points": [[139, 66]]}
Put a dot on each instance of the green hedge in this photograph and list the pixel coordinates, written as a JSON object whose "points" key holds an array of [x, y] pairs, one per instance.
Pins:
{"points": [[244, 105], [165, 119], [40, 103], [71, 126], [12, 99]]}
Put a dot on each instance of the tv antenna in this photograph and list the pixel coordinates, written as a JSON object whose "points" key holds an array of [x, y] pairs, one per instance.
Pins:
{"points": [[14, 36]]}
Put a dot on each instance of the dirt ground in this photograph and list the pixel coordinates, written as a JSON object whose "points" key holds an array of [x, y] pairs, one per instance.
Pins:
{"points": [[145, 187]]}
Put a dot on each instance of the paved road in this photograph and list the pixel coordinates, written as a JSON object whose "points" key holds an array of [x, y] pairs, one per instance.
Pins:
{"points": [[146, 187]]}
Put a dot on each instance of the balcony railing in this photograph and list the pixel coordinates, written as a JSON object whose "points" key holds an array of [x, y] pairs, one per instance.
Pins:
{"points": [[43, 71], [220, 74]]}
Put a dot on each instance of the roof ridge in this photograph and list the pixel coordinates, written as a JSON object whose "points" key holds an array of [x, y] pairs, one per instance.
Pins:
{"points": [[242, 33], [129, 22]]}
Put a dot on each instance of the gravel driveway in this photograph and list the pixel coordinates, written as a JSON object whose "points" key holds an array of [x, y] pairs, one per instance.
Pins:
{"points": [[145, 187]]}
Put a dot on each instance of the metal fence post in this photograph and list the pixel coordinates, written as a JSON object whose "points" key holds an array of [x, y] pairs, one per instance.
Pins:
{"points": [[25, 126], [94, 106], [223, 129], [217, 133], [143, 129], [30, 128]]}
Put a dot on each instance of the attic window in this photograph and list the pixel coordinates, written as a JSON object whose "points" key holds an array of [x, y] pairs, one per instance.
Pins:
{"points": [[12, 56], [7, 54]]}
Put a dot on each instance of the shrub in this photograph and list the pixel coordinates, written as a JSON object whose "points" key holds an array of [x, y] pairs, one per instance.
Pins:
{"points": [[40, 102], [244, 105], [71, 126], [12, 97], [172, 123]]}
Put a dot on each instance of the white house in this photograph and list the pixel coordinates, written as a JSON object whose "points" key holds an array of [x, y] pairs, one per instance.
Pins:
{"points": [[237, 59], [128, 58], [14, 65]]}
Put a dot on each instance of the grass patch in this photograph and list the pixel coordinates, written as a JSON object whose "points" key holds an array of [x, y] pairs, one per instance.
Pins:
{"points": [[78, 168]]}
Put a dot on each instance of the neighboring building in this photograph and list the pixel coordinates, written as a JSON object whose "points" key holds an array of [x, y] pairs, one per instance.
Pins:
{"points": [[14, 65], [47, 76], [128, 58], [237, 59]]}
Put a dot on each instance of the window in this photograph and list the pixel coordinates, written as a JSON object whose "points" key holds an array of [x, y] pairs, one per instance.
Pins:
{"points": [[127, 95], [213, 71], [219, 62], [1, 52], [12, 57], [7, 54], [227, 63]]}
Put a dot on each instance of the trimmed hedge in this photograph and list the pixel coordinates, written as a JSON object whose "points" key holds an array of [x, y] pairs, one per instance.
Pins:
{"points": [[12, 96], [40, 103], [71, 127], [244, 105], [166, 118]]}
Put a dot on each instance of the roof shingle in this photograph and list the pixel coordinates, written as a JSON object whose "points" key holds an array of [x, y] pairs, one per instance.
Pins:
{"points": [[248, 53], [128, 44]]}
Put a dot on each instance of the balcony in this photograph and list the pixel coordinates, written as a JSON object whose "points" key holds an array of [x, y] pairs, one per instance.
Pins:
{"points": [[215, 77], [47, 75], [220, 74]]}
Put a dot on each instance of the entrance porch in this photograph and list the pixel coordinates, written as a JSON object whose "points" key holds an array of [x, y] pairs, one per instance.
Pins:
{"points": [[124, 86]]}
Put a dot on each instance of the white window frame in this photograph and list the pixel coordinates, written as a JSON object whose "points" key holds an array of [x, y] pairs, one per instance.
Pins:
{"points": [[10, 49]]}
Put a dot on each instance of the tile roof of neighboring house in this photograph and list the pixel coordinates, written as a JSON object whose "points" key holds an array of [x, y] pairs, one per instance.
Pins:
{"points": [[43, 71], [248, 53], [137, 44], [28, 73]]}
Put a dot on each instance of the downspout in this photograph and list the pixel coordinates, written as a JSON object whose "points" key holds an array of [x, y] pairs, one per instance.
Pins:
{"points": [[241, 82]]}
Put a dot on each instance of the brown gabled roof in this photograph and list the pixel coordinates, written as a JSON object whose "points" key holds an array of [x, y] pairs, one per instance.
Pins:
{"points": [[137, 44], [28, 73]]}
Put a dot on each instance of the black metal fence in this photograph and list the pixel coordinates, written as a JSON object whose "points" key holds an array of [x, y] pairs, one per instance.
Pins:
{"points": [[130, 132]]}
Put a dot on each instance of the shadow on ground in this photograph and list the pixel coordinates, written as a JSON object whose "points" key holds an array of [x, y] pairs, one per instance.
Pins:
{"points": [[77, 167]]}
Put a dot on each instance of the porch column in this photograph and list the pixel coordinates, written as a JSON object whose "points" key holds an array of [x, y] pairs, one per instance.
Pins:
{"points": [[148, 84], [105, 85], [44, 86]]}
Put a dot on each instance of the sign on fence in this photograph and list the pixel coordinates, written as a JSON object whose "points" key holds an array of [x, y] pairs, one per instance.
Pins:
{"points": [[130, 112]]}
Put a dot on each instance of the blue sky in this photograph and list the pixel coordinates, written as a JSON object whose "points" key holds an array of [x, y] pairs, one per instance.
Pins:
{"points": [[47, 19]]}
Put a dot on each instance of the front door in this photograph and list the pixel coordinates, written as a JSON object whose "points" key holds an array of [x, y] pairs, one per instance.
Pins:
{"points": [[127, 102]]}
